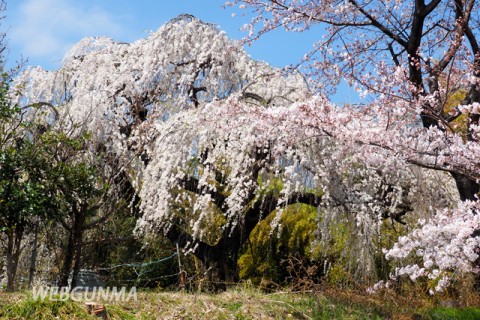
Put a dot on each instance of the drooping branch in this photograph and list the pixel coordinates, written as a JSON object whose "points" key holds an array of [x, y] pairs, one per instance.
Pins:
{"points": [[185, 240], [192, 184]]}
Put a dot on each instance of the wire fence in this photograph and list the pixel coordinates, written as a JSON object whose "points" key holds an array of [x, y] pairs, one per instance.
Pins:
{"points": [[141, 270], [184, 281], [139, 264]]}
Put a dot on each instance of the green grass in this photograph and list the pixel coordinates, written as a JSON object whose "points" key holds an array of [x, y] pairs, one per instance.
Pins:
{"points": [[237, 303], [443, 313], [117, 312], [36, 309]]}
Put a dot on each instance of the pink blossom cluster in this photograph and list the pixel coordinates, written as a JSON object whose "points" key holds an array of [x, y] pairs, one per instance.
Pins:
{"points": [[446, 244]]}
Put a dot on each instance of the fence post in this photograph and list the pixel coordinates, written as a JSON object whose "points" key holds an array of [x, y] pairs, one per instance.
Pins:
{"points": [[181, 272]]}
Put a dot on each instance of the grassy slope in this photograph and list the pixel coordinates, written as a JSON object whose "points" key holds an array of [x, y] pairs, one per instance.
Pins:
{"points": [[235, 304]]}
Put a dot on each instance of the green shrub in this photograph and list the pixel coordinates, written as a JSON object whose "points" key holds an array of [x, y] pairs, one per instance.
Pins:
{"points": [[271, 254]]}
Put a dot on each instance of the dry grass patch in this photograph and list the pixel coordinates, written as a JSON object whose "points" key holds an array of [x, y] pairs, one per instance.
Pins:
{"points": [[239, 303]]}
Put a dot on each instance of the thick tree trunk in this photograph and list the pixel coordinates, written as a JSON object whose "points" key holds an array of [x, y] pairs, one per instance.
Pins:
{"points": [[33, 258], [220, 262], [67, 262], [14, 240], [467, 188], [9, 262], [73, 251], [78, 257]]}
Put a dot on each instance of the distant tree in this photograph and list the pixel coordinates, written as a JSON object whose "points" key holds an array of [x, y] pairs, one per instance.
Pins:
{"points": [[86, 195], [26, 195]]}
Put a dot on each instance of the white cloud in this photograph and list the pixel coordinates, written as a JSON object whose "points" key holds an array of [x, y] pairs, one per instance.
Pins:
{"points": [[48, 28]]}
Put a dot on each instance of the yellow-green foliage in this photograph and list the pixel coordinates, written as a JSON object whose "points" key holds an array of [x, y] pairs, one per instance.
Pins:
{"points": [[389, 233], [459, 125], [271, 254], [338, 276], [271, 185], [266, 254], [334, 251], [338, 250], [211, 222], [337, 241]]}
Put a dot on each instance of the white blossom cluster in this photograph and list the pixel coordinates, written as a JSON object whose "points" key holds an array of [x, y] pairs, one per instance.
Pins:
{"points": [[447, 245]]}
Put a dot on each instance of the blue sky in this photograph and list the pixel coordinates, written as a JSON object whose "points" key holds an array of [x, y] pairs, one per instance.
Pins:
{"points": [[43, 30]]}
